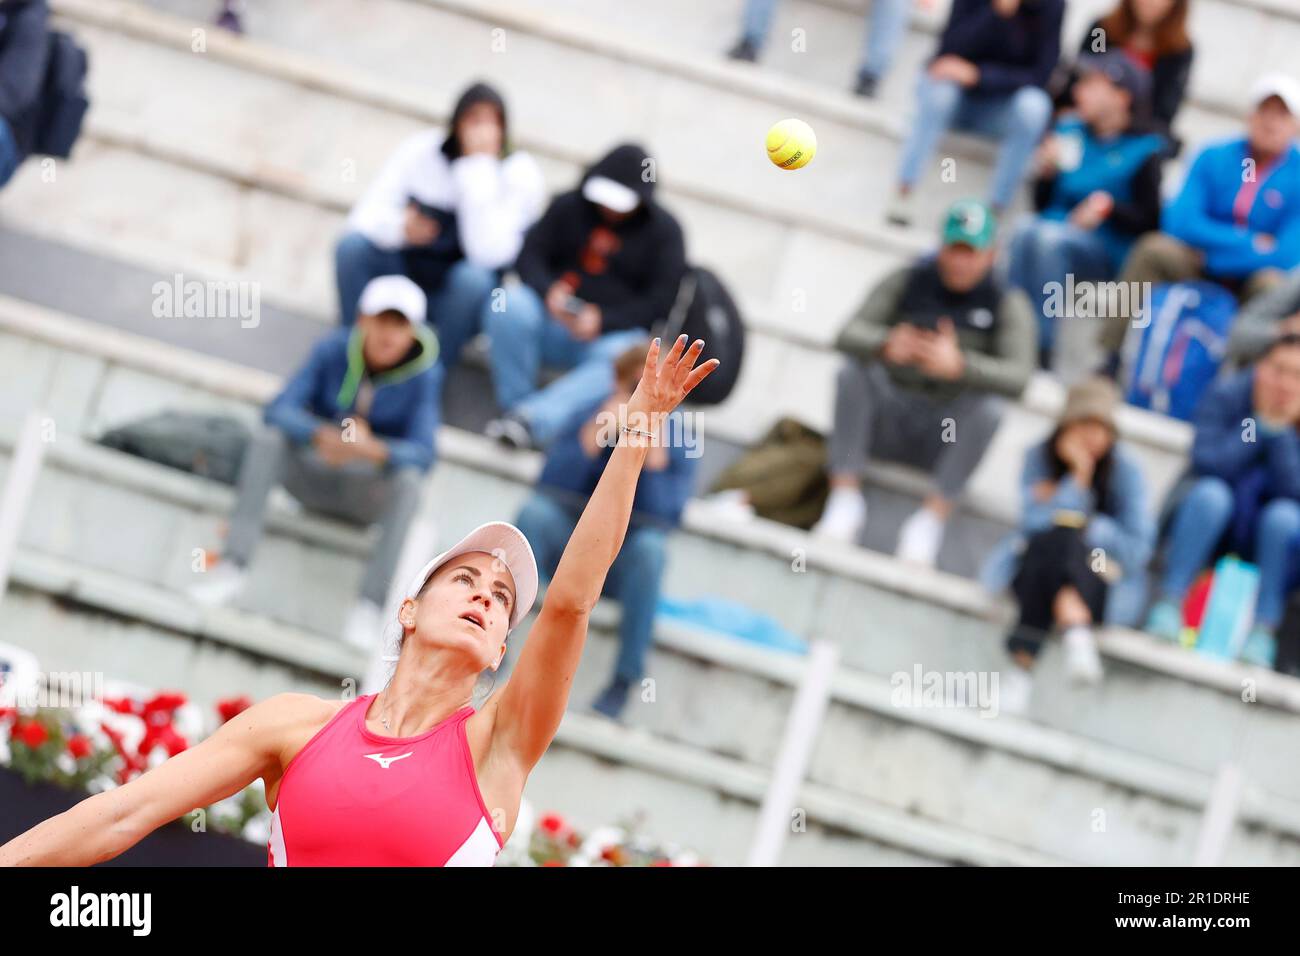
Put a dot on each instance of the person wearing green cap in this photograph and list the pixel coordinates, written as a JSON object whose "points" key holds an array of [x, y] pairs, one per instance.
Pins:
{"points": [[929, 355]]}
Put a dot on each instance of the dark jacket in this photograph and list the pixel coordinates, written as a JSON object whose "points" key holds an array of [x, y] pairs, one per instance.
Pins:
{"points": [[630, 269], [403, 410], [994, 324], [1220, 450], [570, 476], [1011, 52], [24, 54]]}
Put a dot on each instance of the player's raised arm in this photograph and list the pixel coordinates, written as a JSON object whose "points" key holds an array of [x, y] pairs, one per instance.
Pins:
{"points": [[533, 701]]}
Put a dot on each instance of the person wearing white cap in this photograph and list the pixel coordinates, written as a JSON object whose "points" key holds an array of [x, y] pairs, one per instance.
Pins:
{"points": [[351, 435], [1236, 218], [599, 269], [413, 775]]}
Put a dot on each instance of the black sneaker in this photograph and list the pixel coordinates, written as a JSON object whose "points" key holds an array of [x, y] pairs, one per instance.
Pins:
{"points": [[745, 49], [866, 85], [612, 699], [229, 19], [510, 431]]}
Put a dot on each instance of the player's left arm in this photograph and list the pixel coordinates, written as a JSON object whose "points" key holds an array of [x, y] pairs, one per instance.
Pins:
{"points": [[533, 701]]}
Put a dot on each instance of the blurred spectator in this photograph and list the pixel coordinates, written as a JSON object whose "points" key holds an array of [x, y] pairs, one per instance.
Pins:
{"points": [[24, 53], [448, 212], [989, 76], [351, 435], [1098, 188], [574, 464], [1085, 536], [1263, 319], [1236, 219], [1246, 496], [929, 352], [230, 16], [886, 27], [1152, 34], [601, 267]]}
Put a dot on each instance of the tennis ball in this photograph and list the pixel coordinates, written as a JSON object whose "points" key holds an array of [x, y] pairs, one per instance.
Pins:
{"points": [[791, 144]]}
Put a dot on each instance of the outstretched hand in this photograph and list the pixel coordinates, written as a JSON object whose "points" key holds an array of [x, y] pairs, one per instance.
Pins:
{"points": [[664, 384]]}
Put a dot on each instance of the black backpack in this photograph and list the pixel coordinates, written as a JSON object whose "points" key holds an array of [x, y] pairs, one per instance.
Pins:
{"points": [[705, 310], [63, 100]]}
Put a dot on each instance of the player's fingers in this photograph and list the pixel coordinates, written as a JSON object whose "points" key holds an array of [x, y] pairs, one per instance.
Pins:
{"points": [[687, 363], [675, 353], [651, 361], [700, 374]]}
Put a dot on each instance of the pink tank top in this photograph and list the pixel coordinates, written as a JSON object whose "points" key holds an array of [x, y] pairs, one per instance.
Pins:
{"points": [[351, 797]]}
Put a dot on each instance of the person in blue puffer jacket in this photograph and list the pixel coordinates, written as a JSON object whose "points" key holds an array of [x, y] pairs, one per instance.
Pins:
{"points": [[1236, 219], [574, 463], [350, 435]]}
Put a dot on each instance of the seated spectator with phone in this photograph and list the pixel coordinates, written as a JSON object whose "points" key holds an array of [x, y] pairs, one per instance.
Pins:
{"points": [[928, 355], [599, 269]]}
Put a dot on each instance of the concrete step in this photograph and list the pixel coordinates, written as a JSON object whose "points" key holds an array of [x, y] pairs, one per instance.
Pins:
{"points": [[785, 373], [94, 498], [594, 772], [1028, 791]]}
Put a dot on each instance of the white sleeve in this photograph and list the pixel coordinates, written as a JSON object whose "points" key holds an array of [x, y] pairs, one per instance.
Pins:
{"points": [[380, 214], [497, 203]]}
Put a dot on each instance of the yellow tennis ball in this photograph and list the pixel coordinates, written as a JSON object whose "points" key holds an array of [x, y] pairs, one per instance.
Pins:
{"points": [[791, 144]]}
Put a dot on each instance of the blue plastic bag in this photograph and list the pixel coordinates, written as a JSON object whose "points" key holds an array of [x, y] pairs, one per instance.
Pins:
{"points": [[1230, 609], [733, 619]]}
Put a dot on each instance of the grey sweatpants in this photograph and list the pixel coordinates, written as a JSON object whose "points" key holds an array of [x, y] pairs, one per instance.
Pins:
{"points": [[876, 418], [357, 492]]}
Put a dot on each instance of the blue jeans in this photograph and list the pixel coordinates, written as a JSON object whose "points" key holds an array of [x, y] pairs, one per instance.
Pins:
{"points": [[1017, 120], [633, 579], [524, 338], [1199, 523], [456, 306], [10, 157], [1044, 251], [885, 27]]}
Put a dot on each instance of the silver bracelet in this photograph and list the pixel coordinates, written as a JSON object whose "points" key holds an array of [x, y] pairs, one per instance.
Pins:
{"points": [[636, 431]]}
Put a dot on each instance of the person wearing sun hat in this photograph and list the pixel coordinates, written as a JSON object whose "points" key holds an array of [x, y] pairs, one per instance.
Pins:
{"points": [[1080, 554], [929, 356]]}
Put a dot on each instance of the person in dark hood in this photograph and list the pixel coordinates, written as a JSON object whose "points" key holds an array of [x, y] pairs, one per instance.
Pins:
{"points": [[449, 211], [599, 268], [24, 54]]}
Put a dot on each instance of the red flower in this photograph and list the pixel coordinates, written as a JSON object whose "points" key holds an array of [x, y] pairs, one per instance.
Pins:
{"points": [[662, 863], [32, 733], [7, 712], [233, 706], [79, 746], [553, 824], [554, 863]]}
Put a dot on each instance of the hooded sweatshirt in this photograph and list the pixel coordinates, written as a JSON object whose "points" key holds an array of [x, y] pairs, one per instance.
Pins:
{"points": [[630, 269], [483, 203], [403, 400], [24, 55]]}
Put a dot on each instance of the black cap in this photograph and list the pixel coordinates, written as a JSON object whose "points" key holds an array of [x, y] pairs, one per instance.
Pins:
{"points": [[1124, 73]]}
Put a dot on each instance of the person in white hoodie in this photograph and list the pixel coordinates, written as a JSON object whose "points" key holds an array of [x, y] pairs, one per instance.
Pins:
{"points": [[449, 211]]}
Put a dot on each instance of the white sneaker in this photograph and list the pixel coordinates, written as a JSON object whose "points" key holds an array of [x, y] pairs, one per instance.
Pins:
{"points": [[1015, 688], [920, 537], [844, 516], [363, 626], [220, 586], [1082, 660], [732, 505]]}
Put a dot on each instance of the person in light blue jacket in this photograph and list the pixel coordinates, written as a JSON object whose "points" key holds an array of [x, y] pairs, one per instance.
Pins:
{"points": [[1080, 554]]}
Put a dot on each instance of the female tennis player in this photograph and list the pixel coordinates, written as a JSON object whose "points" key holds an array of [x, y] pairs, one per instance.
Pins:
{"points": [[413, 775]]}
